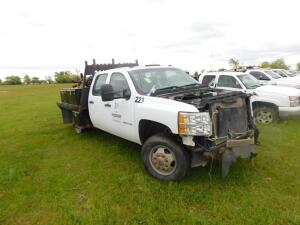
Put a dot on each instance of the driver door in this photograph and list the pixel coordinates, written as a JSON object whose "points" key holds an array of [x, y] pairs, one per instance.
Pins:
{"points": [[121, 109]]}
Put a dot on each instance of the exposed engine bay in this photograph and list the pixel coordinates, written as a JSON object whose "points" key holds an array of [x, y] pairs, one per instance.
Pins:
{"points": [[233, 128]]}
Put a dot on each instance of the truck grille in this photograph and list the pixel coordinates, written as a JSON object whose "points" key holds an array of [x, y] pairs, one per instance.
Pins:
{"points": [[232, 120]]}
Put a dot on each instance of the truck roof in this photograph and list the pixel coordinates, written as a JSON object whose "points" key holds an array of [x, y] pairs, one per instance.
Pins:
{"points": [[224, 73]]}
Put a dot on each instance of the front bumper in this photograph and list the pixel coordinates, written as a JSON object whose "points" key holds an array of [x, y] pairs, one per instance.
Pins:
{"points": [[234, 149], [227, 149], [231, 143], [236, 140], [289, 111]]}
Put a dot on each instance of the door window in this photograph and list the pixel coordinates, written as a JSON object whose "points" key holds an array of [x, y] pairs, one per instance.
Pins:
{"points": [[259, 75], [228, 81], [120, 86], [207, 79], [100, 80]]}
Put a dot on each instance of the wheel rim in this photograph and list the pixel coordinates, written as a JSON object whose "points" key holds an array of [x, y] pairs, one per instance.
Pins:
{"points": [[264, 117], [162, 160]]}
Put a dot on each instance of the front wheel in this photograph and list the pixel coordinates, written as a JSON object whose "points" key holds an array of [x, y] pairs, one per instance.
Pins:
{"points": [[265, 115], [165, 159]]}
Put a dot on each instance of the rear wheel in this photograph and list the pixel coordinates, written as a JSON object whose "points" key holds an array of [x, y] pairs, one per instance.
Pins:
{"points": [[164, 158], [265, 115]]}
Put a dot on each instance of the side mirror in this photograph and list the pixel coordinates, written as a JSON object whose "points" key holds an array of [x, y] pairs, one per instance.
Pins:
{"points": [[107, 92], [126, 94]]}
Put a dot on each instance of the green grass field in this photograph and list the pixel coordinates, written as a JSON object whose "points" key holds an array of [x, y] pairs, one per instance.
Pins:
{"points": [[50, 175]]}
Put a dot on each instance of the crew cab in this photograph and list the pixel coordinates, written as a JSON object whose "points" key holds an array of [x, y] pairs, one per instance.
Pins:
{"points": [[179, 123], [268, 102], [272, 78]]}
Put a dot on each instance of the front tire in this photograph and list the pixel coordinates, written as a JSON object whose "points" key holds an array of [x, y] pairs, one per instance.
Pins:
{"points": [[265, 115], [165, 159]]}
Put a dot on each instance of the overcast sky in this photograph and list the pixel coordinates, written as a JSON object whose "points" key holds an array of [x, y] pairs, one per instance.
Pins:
{"points": [[43, 36]]}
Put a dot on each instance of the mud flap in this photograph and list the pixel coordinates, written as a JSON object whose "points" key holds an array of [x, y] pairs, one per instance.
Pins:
{"points": [[230, 156]]}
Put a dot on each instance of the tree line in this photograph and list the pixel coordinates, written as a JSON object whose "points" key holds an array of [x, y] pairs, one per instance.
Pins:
{"points": [[235, 65], [275, 64], [59, 77]]}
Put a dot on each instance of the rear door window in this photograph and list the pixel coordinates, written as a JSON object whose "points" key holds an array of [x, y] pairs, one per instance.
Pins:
{"points": [[100, 80]]}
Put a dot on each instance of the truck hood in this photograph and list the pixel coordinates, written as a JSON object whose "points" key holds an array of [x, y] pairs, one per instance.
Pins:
{"points": [[268, 89], [202, 97]]}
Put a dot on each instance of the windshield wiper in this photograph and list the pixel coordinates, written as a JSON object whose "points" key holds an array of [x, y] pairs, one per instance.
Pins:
{"points": [[254, 86], [173, 88], [190, 85], [168, 88]]}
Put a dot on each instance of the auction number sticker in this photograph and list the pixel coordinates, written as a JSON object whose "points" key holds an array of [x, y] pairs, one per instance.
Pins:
{"points": [[139, 99]]}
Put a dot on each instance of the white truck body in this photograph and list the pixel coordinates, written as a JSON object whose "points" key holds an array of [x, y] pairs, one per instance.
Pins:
{"points": [[122, 118], [179, 123]]}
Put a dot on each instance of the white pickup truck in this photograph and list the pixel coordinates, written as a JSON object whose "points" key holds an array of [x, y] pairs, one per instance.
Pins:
{"points": [[179, 123], [269, 77], [268, 102]]}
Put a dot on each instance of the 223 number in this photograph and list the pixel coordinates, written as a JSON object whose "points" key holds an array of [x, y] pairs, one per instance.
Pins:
{"points": [[139, 99]]}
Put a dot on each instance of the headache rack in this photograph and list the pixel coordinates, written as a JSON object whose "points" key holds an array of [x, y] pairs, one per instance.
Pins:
{"points": [[74, 101], [90, 70]]}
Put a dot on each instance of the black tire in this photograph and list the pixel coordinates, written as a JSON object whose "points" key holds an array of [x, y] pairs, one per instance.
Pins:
{"points": [[265, 115], [181, 164]]}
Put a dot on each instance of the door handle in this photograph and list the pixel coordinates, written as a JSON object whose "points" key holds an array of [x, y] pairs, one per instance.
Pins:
{"points": [[107, 105], [91, 102]]}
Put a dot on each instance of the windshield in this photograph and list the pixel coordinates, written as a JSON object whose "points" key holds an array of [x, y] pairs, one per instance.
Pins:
{"points": [[288, 73], [279, 72], [147, 81], [272, 74], [249, 81]]}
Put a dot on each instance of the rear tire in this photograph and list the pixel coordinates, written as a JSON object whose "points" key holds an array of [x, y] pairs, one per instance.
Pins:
{"points": [[265, 115], [165, 158]]}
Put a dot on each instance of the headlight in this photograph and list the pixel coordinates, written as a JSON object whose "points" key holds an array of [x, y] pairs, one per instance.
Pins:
{"points": [[294, 101], [196, 124]]}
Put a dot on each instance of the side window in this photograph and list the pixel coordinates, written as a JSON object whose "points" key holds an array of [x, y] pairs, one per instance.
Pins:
{"points": [[100, 80], [207, 79], [259, 76], [228, 81], [120, 86]]}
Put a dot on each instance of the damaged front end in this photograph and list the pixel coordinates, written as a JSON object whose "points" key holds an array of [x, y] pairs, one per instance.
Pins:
{"points": [[232, 133]]}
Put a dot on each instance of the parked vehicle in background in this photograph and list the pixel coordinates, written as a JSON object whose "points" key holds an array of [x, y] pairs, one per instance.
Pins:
{"points": [[272, 78], [296, 73], [179, 123], [269, 102], [281, 73], [285, 73]]}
